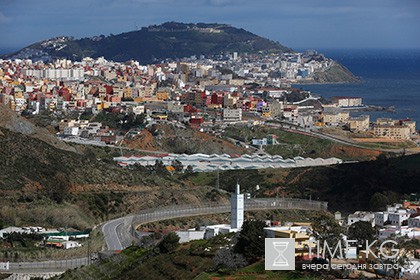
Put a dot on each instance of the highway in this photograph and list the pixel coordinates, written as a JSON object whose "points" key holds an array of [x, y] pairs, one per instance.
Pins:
{"points": [[120, 233], [117, 233]]}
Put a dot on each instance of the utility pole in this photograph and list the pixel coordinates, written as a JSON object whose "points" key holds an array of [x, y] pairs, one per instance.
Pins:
{"points": [[217, 179], [88, 251]]}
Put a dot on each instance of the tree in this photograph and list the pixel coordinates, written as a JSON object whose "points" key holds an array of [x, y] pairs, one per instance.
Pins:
{"points": [[228, 259], [189, 170], [58, 188], [169, 243], [361, 231], [326, 229], [132, 120], [177, 165], [251, 241], [378, 202], [160, 168]]}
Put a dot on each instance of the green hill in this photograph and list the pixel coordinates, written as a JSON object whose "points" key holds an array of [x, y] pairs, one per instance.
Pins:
{"points": [[153, 43]]}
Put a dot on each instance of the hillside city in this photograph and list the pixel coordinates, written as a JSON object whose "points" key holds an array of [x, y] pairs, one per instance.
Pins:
{"points": [[200, 92], [209, 95]]}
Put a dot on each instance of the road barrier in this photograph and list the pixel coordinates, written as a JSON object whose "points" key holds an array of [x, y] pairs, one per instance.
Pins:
{"points": [[179, 211], [59, 265]]}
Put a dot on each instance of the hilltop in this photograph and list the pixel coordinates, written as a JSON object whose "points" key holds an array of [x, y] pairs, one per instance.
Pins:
{"points": [[153, 43]]}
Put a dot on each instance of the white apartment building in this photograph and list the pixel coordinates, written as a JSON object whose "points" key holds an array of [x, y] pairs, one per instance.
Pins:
{"points": [[381, 218], [398, 217], [71, 131], [232, 115], [394, 216], [345, 101], [59, 74], [360, 123], [414, 222]]}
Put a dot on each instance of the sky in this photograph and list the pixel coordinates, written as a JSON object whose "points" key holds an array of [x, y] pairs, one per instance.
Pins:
{"points": [[299, 24]]}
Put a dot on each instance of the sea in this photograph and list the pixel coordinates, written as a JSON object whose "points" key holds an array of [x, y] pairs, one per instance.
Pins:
{"points": [[389, 78]]}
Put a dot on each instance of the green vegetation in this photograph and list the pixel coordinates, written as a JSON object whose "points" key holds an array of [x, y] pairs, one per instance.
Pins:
{"points": [[201, 259], [165, 41], [44, 164], [187, 262], [43, 185], [169, 243], [326, 229], [119, 121], [251, 240], [361, 231], [295, 144], [390, 145], [256, 271], [353, 187]]}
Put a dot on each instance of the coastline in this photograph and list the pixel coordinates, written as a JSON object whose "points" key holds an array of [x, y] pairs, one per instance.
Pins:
{"points": [[361, 81]]}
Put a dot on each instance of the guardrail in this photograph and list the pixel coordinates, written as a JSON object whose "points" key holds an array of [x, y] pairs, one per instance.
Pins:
{"points": [[54, 265], [179, 211]]}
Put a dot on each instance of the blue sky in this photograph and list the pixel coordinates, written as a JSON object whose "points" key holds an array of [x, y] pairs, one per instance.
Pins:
{"points": [[298, 24]]}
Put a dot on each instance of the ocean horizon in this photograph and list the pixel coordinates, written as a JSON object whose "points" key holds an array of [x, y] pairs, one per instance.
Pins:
{"points": [[389, 78]]}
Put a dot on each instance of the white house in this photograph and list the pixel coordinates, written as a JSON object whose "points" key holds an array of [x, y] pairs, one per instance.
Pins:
{"points": [[414, 222], [403, 231], [398, 217], [71, 131], [359, 216], [71, 244], [381, 218]]}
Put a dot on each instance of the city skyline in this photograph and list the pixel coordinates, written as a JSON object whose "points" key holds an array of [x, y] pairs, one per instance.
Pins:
{"points": [[296, 24]]}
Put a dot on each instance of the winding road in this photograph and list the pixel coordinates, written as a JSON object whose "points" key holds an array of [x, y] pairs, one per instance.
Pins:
{"points": [[120, 233]]}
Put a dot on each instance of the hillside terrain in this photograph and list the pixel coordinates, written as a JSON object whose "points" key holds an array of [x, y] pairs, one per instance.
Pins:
{"points": [[336, 73], [200, 259], [34, 174], [367, 185], [11, 121], [39, 174], [154, 43], [293, 144], [173, 139]]}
